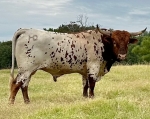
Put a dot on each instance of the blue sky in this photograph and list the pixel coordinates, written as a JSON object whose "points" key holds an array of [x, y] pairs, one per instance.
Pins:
{"points": [[133, 15]]}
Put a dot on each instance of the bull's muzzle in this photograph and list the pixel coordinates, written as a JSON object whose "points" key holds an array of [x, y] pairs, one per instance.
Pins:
{"points": [[122, 56]]}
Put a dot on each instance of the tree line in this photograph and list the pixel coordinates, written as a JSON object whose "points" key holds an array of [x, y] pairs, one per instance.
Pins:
{"points": [[137, 54]]}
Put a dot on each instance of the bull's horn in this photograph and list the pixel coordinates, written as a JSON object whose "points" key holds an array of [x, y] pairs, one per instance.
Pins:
{"points": [[137, 33], [108, 33]]}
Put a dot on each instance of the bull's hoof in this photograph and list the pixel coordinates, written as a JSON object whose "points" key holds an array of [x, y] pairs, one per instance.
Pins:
{"points": [[85, 95], [91, 96], [27, 101], [55, 80], [11, 101]]}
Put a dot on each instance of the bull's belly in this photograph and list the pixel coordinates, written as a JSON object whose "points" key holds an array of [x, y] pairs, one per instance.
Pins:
{"points": [[61, 68]]}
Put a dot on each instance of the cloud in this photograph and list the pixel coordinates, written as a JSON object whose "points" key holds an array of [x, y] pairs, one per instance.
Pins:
{"points": [[145, 11], [30, 13], [31, 7], [41, 14]]}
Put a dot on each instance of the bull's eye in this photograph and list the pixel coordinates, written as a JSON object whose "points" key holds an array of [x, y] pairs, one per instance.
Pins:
{"points": [[114, 44]]}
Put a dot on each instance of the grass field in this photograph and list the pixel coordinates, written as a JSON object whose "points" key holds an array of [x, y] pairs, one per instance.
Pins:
{"points": [[123, 93]]}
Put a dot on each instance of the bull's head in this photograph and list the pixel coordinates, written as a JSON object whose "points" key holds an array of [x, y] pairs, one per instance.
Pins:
{"points": [[119, 41]]}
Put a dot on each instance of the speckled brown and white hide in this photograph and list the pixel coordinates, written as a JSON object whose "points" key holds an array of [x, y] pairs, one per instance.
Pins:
{"points": [[59, 53]]}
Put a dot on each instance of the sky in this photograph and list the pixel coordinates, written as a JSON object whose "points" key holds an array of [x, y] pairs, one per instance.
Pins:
{"points": [[132, 16]]}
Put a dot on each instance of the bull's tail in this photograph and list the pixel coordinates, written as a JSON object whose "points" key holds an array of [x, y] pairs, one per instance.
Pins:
{"points": [[14, 40]]}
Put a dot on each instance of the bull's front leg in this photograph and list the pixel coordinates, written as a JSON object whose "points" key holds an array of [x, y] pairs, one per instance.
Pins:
{"points": [[92, 76], [91, 83], [88, 83], [85, 86]]}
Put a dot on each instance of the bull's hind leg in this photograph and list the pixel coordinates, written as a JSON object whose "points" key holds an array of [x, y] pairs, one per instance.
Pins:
{"points": [[24, 87], [14, 87], [21, 81], [25, 94]]}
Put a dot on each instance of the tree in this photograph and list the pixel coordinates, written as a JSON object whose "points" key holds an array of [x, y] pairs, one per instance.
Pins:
{"points": [[73, 26], [5, 54], [50, 29], [131, 57], [143, 49]]}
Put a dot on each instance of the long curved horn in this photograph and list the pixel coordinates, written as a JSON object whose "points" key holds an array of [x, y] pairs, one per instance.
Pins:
{"points": [[108, 33], [137, 33]]}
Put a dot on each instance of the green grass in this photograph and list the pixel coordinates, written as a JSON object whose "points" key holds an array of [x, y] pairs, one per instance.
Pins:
{"points": [[123, 93]]}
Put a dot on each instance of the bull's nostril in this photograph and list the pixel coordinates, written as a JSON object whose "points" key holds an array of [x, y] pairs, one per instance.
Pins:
{"points": [[119, 56], [122, 57]]}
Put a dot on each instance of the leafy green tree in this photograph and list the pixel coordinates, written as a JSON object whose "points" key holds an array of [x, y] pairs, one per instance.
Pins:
{"points": [[5, 54], [131, 57], [143, 49], [72, 27], [50, 29]]}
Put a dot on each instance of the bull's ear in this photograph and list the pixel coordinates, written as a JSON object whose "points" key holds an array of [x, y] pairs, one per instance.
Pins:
{"points": [[133, 40]]}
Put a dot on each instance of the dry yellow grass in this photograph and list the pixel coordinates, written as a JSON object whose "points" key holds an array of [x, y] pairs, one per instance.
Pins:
{"points": [[123, 93]]}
